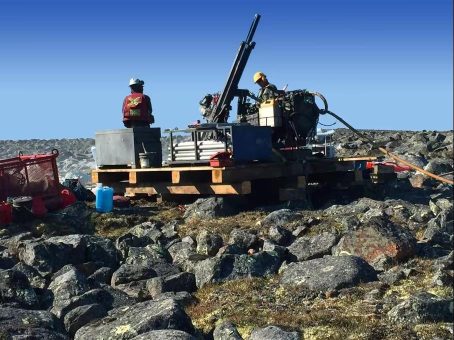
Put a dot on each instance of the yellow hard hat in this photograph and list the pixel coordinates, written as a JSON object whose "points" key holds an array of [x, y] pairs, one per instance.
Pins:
{"points": [[258, 76]]}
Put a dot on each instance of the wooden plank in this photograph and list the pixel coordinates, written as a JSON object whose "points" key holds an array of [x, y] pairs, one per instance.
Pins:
{"points": [[217, 189], [112, 170], [132, 191], [191, 177], [161, 169], [242, 188]]}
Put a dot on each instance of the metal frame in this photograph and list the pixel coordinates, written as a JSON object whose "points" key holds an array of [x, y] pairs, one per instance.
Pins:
{"points": [[197, 134]]}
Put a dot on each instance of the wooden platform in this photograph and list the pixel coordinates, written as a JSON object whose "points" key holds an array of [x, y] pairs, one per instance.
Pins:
{"points": [[235, 180]]}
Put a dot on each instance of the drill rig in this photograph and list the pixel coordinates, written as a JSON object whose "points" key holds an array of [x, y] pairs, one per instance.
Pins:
{"points": [[282, 126]]}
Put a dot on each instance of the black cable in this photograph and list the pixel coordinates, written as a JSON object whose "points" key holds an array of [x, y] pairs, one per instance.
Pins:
{"points": [[327, 124]]}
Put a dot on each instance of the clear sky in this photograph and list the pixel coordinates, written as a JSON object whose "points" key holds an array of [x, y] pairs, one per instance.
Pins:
{"points": [[65, 65]]}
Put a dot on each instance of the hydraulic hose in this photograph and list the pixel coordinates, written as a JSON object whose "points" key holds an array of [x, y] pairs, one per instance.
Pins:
{"points": [[383, 150]]}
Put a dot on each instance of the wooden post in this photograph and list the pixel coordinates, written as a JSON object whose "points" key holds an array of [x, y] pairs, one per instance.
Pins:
{"points": [[133, 177], [176, 178]]}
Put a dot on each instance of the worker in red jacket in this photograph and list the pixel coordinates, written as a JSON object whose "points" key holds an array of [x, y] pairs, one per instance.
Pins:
{"points": [[137, 106]]}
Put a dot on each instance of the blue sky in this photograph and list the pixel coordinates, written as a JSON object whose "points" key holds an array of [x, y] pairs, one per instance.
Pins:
{"points": [[65, 65]]}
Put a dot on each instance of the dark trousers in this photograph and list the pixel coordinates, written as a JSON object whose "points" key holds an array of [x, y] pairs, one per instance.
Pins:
{"points": [[135, 123]]}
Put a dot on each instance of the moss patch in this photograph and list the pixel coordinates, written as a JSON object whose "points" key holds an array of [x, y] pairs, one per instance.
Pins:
{"points": [[420, 281]]}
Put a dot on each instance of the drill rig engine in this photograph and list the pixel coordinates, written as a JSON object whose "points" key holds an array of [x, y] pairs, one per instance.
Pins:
{"points": [[292, 115]]}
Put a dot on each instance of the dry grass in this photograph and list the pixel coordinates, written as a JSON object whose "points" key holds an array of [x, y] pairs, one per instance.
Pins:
{"points": [[118, 222], [433, 331], [224, 225], [258, 302]]}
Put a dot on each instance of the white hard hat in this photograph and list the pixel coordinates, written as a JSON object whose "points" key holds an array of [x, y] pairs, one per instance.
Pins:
{"points": [[136, 81]]}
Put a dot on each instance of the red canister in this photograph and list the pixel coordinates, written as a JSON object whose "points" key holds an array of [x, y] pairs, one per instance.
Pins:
{"points": [[6, 213], [38, 207]]}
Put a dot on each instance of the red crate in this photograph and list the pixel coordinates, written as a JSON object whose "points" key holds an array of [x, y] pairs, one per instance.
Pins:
{"points": [[29, 175]]}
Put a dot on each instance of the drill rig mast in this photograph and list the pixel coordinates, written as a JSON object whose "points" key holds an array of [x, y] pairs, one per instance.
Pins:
{"points": [[219, 111]]}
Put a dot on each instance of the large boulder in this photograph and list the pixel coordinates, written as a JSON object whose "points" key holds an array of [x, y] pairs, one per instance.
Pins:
{"points": [[180, 252], [232, 267], [185, 299], [102, 250], [34, 277], [15, 288], [18, 323], [12, 244], [173, 283], [208, 243], [48, 256], [273, 333], [132, 272], [211, 207], [152, 253], [328, 273], [132, 278], [66, 286], [419, 161], [440, 229], [76, 217], [6, 260], [135, 289], [131, 321], [107, 296], [439, 166], [124, 242], [225, 330], [355, 208], [309, 247], [422, 307], [392, 275], [170, 232], [102, 275], [165, 334], [376, 241], [165, 269], [279, 217], [282, 252], [148, 231], [243, 239], [280, 235], [80, 316], [442, 205]]}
